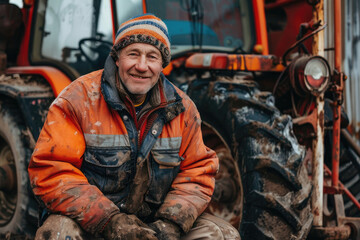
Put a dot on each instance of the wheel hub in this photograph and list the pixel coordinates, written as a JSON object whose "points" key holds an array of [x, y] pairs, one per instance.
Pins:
{"points": [[8, 185], [7, 178], [227, 199]]}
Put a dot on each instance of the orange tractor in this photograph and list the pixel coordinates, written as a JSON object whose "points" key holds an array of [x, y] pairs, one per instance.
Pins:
{"points": [[270, 102]]}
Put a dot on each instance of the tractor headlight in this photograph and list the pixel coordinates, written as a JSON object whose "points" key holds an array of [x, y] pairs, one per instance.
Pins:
{"points": [[310, 74]]}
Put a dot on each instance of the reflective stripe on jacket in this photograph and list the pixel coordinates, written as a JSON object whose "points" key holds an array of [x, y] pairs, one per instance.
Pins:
{"points": [[87, 156]]}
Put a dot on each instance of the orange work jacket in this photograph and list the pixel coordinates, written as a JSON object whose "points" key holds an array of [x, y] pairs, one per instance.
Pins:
{"points": [[89, 164]]}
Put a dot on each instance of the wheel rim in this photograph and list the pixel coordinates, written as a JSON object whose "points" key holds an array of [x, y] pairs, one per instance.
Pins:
{"points": [[227, 200], [8, 192]]}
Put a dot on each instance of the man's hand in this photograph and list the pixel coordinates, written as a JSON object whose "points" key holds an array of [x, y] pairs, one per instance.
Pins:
{"points": [[123, 226], [166, 230]]}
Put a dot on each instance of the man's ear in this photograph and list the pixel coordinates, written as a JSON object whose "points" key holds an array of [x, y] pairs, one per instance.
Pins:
{"points": [[117, 62]]}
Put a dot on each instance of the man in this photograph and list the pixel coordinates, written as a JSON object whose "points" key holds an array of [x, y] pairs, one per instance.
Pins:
{"points": [[121, 154]]}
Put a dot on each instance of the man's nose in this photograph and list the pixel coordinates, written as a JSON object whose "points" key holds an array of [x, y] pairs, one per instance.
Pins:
{"points": [[142, 64]]}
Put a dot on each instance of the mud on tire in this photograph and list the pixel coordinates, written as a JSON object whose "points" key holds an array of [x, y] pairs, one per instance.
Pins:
{"points": [[276, 189], [18, 208]]}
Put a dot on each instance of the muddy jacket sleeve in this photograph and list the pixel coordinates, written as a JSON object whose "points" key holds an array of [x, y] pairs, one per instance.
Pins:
{"points": [[55, 174], [194, 185]]}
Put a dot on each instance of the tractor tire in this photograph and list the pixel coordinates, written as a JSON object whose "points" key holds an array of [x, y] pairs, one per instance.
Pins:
{"points": [[263, 185], [18, 208], [349, 175]]}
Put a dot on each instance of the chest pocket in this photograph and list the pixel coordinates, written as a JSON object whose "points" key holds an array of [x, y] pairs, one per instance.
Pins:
{"points": [[164, 166], [107, 162]]}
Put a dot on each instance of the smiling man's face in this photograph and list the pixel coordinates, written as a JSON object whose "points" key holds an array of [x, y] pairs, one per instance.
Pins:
{"points": [[140, 65]]}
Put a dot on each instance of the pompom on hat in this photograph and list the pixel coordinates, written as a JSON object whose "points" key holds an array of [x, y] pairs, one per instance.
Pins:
{"points": [[146, 28]]}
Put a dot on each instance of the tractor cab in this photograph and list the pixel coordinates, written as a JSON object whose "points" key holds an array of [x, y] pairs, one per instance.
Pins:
{"points": [[76, 36]]}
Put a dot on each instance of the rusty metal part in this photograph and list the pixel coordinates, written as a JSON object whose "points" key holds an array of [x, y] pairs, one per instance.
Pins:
{"points": [[354, 224], [7, 178], [318, 142], [346, 191], [330, 233], [333, 190], [342, 220], [337, 88], [336, 145], [318, 164], [310, 119], [234, 62], [318, 39], [337, 36], [334, 227]]}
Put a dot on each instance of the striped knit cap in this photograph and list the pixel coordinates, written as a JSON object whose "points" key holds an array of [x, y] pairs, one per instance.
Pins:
{"points": [[145, 28]]}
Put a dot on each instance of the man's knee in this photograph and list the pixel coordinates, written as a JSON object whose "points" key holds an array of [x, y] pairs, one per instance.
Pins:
{"points": [[208, 226], [59, 227]]}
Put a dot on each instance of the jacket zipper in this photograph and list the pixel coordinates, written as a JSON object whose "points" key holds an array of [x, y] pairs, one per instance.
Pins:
{"points": [[148, 115]]}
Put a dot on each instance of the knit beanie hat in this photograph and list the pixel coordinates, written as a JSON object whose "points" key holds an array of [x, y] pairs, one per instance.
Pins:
{"points": [[146, 28]]}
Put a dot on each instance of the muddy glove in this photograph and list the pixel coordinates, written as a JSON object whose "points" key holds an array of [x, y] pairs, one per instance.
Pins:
{"points": [[53, 228], [123, 226], [166, 230]]}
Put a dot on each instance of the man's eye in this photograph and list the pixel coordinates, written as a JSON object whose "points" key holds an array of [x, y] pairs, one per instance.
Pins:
{"points": [[154, 57]]}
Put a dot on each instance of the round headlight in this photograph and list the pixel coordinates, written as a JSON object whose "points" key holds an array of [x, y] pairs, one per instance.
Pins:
{"points": [[316, 74], [309, 74]]}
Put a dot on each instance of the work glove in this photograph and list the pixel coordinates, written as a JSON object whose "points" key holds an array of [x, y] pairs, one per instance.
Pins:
{"points": [[166, 230], [53, 229], [123, 226]]}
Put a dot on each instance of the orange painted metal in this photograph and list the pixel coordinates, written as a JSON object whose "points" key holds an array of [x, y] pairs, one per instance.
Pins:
{"points": [[29, 2], [338, 88], [23, 57], [336, 144], [113, 18], [234, 62], [260, 25], [167, 70], [291, 14], [57, 79], [144, 6], [346, 191], [338, 35]]}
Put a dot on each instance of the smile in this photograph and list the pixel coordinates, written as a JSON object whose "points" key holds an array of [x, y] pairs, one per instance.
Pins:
{"points": [[137, 76]]}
